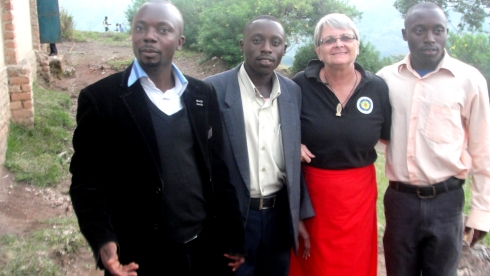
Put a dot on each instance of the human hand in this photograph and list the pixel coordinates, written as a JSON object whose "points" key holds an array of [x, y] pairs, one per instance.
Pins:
{"points": [[303, 233], [477, 235], [306, 155], [110, 260], [235, 261]]}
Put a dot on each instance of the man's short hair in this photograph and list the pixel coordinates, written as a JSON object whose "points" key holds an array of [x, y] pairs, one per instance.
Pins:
{"points": [[423, 5], [260, 17]]}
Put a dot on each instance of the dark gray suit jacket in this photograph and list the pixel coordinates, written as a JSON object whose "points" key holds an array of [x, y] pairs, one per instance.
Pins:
{"points": [[235, 143]]}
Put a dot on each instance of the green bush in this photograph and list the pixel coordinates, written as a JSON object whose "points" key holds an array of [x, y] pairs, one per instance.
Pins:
{"points": [[222, 22], [132, 8], [191, 11], [223, 41], [471, 49], [67, 25], [303, 55], [368, 57]]}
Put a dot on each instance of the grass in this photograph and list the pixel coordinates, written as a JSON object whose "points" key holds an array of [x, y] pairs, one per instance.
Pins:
{"points": [[119, 64], [383, 184], [40, 155], [108, 38], [35, 254]]}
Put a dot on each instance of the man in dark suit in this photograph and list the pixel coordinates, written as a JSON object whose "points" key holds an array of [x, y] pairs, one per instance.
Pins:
{"points": [[261, 122], [150, 188]]}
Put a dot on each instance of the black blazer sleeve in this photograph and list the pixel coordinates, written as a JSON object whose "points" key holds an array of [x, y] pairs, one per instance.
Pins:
{"points": [[86, 191]]}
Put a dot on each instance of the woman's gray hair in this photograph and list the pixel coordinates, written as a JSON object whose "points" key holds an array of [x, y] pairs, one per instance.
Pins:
{"points": [[337, 21]]}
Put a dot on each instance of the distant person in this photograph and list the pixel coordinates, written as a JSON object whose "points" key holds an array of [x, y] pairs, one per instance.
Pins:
{"points": [[106, 24], [117, 28], [260, 110], [440, 133], [121, 29], [345, 112], [53, 51], [149, 184]]}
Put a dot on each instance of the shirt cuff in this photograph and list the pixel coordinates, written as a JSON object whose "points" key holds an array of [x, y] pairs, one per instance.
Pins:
{"points": [[479, 220]]}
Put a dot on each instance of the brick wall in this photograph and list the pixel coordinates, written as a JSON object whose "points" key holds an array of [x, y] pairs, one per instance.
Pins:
{"points": [[9, 35], [21, 71], [18, 26], [20, 90]]}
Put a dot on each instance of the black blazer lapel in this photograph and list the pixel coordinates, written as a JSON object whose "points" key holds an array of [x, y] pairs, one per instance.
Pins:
{"points": [[197, 111], [137, 104]]}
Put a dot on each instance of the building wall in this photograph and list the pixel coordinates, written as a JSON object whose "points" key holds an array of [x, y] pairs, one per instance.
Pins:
{"points": [[22, 23], [4, 111], [18, 65]]}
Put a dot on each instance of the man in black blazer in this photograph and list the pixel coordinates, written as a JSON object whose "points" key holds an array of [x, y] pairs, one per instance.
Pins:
{"points": [[261, 121], [149, 185]]}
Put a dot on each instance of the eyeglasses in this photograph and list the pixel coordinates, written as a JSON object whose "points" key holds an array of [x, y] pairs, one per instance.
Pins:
{"points": [[346, 38]]}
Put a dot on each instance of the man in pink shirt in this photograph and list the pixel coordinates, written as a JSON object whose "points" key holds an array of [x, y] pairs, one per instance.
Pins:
{"points": [[440, 132]]}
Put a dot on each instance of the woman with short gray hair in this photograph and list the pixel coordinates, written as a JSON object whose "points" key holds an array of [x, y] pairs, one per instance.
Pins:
{"points": [[345, 112]]}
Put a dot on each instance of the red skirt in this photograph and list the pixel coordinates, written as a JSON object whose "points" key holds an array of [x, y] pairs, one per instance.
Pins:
{"points": [[343, 233]]}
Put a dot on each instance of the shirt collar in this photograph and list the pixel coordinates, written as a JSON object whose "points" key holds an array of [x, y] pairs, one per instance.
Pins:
{"points": [[137, 72], [447, 63], [252, 90], [314, 66]]}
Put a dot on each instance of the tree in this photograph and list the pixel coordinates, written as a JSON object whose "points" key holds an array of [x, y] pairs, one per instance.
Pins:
{"points": [[471, 49], [191, 11], [473, 12], [222, 22], [132, 8]]}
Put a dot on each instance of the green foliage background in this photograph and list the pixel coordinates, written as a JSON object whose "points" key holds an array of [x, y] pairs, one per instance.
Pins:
{"points": [[222, 22], [215, 27], [472, 49], [473, 13]]}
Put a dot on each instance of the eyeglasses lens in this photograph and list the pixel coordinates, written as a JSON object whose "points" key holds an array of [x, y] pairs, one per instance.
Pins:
{"points": [[331, 40]]}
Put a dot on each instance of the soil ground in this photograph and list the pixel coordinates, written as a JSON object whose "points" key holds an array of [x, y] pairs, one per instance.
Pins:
{"points": [[23, 207]]}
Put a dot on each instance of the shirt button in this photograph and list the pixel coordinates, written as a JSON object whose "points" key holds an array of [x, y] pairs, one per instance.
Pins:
{"points": [[263, 169], [263, 148]]}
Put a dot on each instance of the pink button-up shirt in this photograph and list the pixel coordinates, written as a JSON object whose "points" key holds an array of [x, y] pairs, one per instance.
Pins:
{"points": [[441, 128]]}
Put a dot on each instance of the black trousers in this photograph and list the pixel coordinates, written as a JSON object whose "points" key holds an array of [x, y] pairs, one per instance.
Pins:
{"points": [[52, 49], [423, 236], [268, 240]]}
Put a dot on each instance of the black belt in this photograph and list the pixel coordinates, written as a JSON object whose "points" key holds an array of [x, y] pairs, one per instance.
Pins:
{"points": [[429, 191], [265, 202]]}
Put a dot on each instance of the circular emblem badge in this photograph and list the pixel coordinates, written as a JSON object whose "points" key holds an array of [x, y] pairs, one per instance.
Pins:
{"points": [[365, 105]]}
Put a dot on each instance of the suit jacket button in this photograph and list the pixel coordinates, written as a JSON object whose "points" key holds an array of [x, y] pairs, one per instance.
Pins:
{"points": [[159, 190], [155, 226]]}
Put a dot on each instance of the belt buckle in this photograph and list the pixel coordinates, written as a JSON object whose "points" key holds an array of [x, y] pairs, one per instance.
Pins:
{"points": [[261, 203], [429, 196]]}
